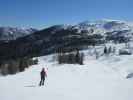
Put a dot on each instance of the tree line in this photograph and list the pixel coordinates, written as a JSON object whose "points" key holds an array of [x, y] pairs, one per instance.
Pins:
{"points": [[13, 66]]}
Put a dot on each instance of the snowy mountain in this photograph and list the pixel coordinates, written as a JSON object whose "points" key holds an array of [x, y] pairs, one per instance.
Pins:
{"points": [[103, 26], [80, 36], [12, 33], [106, 28]]}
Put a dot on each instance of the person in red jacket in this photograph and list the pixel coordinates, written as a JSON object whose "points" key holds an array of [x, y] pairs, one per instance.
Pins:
{"points": [[43, 74]]}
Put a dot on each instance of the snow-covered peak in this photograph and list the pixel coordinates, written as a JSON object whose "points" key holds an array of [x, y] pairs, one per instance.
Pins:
{"points": [[11, 33], [104, 25]]}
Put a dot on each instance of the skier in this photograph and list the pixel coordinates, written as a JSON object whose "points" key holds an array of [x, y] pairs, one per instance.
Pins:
{"points": [[43, 74], [105, 50]]}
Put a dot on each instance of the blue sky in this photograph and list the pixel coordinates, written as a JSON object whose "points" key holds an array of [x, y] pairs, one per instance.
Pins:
{"points": [[44, 13]]}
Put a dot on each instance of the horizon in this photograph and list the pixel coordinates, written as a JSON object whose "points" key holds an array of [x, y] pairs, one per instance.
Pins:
{"points": [[42, 14], [104, 19]]}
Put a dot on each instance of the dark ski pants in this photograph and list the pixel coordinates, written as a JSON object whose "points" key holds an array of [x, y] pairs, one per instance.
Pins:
{"points": [[42, 81]]}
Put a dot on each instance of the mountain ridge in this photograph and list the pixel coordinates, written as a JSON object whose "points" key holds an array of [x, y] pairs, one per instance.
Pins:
{"points": [[80, 36], [11, 33]]}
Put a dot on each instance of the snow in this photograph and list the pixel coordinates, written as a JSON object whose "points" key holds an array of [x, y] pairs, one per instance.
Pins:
{"points": [[105, 25], [11, 33], [102, 79]]}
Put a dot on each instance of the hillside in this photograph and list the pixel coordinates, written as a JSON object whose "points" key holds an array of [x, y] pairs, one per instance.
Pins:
{"points": [[102, 79], [80, 36]]}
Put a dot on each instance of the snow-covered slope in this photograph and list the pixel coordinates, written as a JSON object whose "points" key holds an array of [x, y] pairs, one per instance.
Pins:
{"points": [[101, 79], [11, 33], [103, 26]]}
